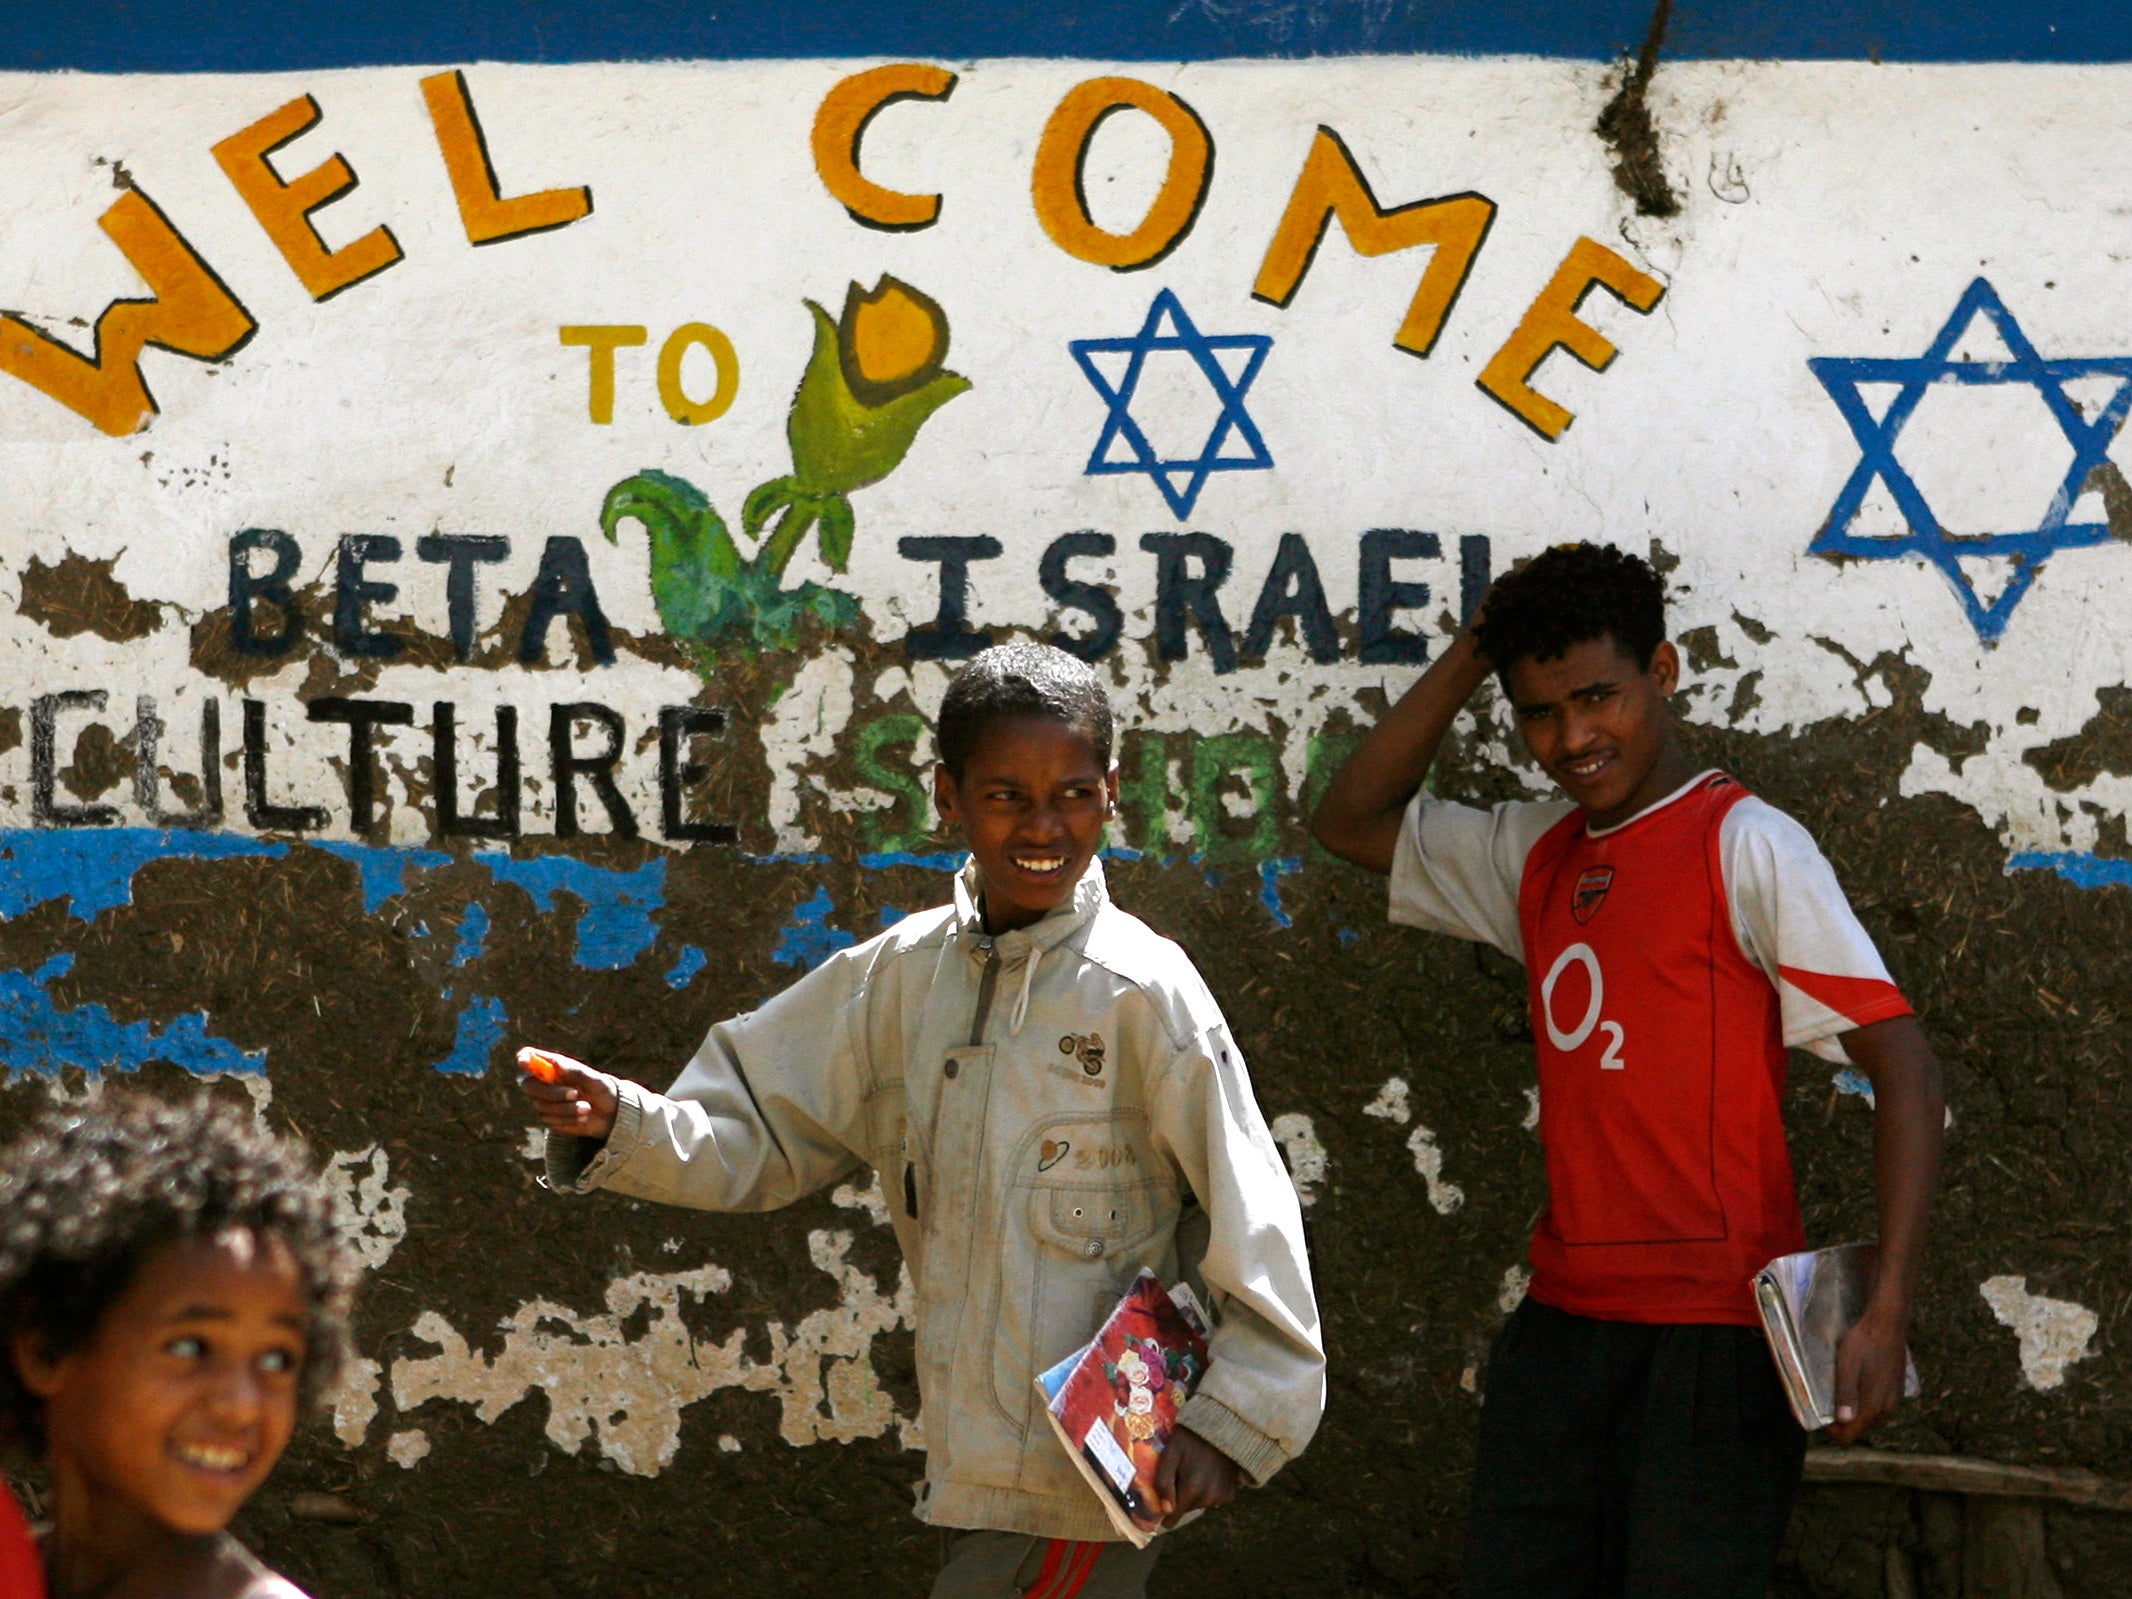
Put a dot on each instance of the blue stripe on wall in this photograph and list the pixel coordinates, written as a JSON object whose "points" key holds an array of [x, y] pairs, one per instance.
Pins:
{"points": [[270, 35]]}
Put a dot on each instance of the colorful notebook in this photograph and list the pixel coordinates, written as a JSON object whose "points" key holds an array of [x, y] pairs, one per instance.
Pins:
{"points": [[1114, 1403]]}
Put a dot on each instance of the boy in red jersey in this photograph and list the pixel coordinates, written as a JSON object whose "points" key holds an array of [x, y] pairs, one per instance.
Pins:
{"points": [[1678, 935]]}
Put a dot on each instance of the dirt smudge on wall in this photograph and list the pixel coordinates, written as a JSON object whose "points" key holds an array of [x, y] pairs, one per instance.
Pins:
{"points": [[78, 594]]}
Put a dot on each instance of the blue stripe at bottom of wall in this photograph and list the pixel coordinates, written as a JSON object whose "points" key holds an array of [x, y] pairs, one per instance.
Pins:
{"points": [[615, 925], [258, 36]]}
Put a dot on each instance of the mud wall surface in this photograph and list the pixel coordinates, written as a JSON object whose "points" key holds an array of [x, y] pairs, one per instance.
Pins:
{"points": [[483, 548]]}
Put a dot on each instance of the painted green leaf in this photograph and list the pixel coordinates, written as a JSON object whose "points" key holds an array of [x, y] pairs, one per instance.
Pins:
{"points": [[764, 503], [837, 528], [692, 554], [791, 531]]}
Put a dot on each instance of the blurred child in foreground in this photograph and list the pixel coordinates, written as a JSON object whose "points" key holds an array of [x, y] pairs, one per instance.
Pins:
{"points": [[172, 1288]]}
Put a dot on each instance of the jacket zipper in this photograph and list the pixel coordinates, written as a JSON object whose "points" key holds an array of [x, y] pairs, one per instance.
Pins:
{"points": [[985, 985]]}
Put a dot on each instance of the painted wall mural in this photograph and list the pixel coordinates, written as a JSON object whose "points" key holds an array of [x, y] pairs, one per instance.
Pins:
{"points": [[482, 550]]}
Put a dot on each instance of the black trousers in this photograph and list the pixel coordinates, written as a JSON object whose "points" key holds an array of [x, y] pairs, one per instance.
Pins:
{"points": [[1623, 1459]]}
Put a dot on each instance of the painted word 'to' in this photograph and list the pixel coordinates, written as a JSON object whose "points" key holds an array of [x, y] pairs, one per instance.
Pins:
{"points": [[601, 339]]}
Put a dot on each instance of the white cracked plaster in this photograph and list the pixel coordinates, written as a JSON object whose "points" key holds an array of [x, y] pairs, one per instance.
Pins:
{"points": [[373, 1220], [1531, 1122], [926, 682], [628, 1393], [1429, 1161], [1306, 1157], [2014, 800], [728, 1444], [407, 1449], [534, 1146], [353, 1399], [1512, 1292], [869, 1199], [257, 1084], [802, 728], [1391, 1103], [373, 1211], [67, 1086], [2054, 1333]]}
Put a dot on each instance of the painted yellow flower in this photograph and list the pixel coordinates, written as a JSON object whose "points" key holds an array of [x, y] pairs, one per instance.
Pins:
{"points": [[875, 377], [891, 341]]}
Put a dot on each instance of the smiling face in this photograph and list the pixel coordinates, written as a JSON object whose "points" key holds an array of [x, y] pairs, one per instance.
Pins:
{"points": [[1031, 803], [1598, 723], [184, 1396]]}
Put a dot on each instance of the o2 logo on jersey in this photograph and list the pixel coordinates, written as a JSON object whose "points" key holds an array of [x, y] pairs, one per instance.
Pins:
{"points": [[1581, 955], [1590, 892]]}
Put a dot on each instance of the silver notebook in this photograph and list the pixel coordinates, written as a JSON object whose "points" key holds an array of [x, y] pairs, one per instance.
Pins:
{"points": [[1808, 1302]]}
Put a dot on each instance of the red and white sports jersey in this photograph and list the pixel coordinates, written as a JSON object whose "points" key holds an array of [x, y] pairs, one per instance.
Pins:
{"points": [[1670, 959]]}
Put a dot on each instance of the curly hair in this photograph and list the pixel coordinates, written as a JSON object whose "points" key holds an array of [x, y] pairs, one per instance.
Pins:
{"points": [[1566, 596], [1021, 680], [86, 1195]]}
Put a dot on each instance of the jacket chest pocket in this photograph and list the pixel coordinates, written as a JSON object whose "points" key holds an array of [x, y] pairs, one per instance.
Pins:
{"points": [[1093, 1224]]}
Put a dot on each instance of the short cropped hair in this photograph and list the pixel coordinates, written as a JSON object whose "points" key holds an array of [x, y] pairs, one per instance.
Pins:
{"points": [[1567, 596], [1021, 679], [87, 1195]]}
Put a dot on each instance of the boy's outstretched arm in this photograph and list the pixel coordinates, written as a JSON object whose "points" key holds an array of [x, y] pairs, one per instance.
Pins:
{"points": [[1909, 1127], [770, 1108], [1360, 816]]}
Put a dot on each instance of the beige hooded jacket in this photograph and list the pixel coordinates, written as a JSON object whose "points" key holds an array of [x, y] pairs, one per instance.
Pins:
{"points": [[1050, 1111]]}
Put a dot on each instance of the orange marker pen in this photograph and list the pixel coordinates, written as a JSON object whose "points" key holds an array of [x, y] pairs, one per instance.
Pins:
{"points": [[539, 1067]]}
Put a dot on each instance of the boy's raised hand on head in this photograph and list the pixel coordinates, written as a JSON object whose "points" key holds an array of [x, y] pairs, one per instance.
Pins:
{"points": [[1364, 807], [570, 1096]]}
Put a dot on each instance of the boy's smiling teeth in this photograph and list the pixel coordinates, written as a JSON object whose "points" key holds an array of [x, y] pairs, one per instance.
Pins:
{"points": [[1040, 863], [209, 1457]]}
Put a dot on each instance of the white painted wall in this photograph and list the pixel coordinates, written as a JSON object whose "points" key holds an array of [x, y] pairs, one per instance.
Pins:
{"points": [[1830, 210]]}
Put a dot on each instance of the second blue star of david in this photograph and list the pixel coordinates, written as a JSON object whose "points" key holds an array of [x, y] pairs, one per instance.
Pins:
{"points": [[2027, 547], [1233, 443]]}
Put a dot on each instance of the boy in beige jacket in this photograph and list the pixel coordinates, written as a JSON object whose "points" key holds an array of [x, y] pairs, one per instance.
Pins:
{"points": [[1053, 1102]]}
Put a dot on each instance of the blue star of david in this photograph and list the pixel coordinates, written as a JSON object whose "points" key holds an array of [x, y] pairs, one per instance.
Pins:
{"points": [[1179, 479], [1926, 538]]}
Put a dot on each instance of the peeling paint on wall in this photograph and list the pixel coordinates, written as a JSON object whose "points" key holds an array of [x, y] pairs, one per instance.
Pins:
{"points": [[626, 1391], [1306, 1157], [1516, 1279], [1391, 1102], [2054, 1333], [373, 1208], [353, 1400], [1444, 1198], [869, 1199], [407, 1449]]}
